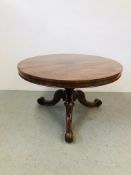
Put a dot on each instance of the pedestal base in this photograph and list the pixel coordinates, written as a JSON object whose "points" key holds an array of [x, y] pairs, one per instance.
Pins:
{"points": [[69, 95]]}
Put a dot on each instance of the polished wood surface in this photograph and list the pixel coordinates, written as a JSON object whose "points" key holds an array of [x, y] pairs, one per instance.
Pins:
{"points": [[70, 70]]}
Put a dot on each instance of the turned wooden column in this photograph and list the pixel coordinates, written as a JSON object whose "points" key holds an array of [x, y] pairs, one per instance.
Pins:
{"points": [[69, 109]]}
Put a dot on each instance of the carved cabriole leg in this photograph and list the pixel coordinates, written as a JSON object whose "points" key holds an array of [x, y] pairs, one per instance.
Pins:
{"points": [[69, 108], [82, 99], [57, 97]]}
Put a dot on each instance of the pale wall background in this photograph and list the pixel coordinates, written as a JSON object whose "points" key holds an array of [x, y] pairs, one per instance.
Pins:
{"points": [[35, 27]]}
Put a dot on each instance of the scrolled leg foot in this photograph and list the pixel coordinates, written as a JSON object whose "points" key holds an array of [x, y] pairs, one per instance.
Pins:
{"points": [[69, 137], [41, 100], [57, 97], [82, 99], [97, 102]]}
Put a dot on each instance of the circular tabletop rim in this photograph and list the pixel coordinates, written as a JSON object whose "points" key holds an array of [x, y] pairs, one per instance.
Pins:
{"points": [[69, 83]]}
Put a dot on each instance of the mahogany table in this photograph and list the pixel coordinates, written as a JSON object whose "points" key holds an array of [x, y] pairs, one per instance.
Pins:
{"points": [[69, 71]]}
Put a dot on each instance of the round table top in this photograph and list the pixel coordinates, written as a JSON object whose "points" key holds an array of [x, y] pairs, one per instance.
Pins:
{"points": [[70, 70]]}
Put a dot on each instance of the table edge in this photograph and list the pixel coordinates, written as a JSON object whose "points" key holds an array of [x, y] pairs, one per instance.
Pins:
{"points": [[71, 83]]}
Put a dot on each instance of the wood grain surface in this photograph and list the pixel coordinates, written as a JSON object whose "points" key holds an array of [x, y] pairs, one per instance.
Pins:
{"points": [[70, 70]]}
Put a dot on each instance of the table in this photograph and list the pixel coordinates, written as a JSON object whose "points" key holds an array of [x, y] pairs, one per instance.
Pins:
{"points": [[69, 71]]}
